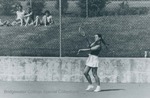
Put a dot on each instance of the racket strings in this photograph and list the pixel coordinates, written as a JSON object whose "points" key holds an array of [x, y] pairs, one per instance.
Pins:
{"points": [[82, 31]]}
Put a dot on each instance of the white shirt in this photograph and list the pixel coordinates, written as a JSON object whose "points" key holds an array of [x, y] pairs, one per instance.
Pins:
{"points": [[49, 18], [20, 14]]}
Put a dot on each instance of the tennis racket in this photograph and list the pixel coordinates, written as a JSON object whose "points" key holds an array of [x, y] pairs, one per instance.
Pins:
{"points": [[81, 31], [83, 34]]}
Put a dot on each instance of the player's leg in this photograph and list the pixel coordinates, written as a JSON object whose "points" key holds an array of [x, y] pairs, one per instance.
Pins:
{"points": [[8, 23], [2, 23], [44, 21], [50, 20], [31, 21], [5, 22], [16, 22], [13, 23], [21, 21], [27, 21], [37, 21], [97, 80], [86, 74]]}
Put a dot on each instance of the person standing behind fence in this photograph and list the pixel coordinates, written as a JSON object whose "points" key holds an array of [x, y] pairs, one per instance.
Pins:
{"points": [[93, 61]]}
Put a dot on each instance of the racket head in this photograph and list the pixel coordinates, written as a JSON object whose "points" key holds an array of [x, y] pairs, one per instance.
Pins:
{"points": [[81, 31]]}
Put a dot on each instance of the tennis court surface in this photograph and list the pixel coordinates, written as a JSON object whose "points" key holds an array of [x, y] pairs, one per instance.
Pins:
{"points": [[71, 90]]}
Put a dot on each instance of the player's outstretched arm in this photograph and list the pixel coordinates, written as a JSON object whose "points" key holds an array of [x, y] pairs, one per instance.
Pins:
{"points": [[89, 49]]}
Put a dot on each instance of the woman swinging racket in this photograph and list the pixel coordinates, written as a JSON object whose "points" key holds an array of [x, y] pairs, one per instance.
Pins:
{"points": [[93, 61]]}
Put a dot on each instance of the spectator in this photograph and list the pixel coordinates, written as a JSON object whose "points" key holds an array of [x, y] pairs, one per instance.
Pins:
{"points": [[20, 16], [29, 17], [3, 23], [46, 19]]}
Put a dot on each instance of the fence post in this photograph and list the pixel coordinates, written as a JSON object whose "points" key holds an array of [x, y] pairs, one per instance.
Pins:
{"points": [[87, 13], [60, 39], [31, 4]]}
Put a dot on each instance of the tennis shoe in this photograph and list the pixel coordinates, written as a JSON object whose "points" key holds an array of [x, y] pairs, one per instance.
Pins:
{"points": [[98, 89], [89, 87]]}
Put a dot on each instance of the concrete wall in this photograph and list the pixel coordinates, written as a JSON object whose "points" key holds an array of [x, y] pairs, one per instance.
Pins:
{"points": [[124, 70]]}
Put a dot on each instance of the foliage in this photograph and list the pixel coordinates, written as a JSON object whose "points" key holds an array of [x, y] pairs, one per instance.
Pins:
{"points": [[37, 6], [8, 6], [64, 5], [94, 7]]}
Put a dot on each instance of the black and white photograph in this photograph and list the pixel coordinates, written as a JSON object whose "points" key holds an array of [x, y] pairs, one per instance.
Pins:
{"points": [[74, 48]]}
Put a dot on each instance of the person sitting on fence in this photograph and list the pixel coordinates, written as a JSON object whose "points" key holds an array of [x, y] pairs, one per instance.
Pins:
{"points": [[29, 17], [46, 19], [20, 16]]}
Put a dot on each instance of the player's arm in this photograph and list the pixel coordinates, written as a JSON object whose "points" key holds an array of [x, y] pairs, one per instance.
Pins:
{"points": [[28, 14], [92, 44], [49, 19], [89, 49]]}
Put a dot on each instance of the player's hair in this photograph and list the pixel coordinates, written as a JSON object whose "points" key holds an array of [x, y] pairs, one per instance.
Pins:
{"points": [[29, 9], [48, 12], [20, 6], [99, 35], [102, 40]]}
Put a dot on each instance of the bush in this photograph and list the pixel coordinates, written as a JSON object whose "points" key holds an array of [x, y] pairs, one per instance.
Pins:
{"points": [[8, 6], [124, 9], [138, 10], [64, 5], [94, 7], [37, 6]]}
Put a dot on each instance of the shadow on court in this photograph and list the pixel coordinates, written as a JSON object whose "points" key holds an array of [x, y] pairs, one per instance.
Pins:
{"points": [[105, 90]]}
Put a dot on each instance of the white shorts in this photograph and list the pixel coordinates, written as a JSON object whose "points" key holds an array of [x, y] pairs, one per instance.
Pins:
{"points": [[92, 61]]}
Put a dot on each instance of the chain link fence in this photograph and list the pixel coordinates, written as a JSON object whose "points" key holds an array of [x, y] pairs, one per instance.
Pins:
{"points": [[123, 24], [127, 35]]}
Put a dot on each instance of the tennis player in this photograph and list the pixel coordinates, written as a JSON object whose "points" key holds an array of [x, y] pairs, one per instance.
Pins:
{"points": [[93, 61]]}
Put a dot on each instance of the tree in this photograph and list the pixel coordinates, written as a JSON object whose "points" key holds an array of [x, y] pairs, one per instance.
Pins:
{"points": [[94, 7], [8, 6], [64, 5], [124, 8], [37, 6]]}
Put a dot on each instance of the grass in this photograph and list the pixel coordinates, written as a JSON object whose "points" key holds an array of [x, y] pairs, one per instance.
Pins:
{"points": [[128, 36]]}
